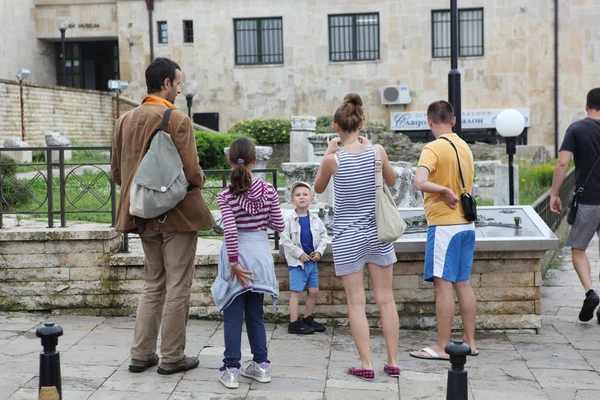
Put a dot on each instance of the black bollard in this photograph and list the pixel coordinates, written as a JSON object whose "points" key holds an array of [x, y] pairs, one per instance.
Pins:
{"points": [[49, 387], [458, 384]]}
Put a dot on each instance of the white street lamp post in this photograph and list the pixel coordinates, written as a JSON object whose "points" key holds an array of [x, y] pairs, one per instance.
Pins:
{"points": [[509, 124]]}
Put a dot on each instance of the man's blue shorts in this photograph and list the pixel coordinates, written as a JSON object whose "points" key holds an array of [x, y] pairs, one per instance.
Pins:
{"points": [[301, 278], [449, 252]]}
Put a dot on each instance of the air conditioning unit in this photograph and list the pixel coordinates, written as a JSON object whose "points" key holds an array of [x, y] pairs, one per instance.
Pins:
{"points": [[395, 95]]}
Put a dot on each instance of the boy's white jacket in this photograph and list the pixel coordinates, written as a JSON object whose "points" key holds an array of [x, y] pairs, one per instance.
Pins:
{"points": [[290, 237]]}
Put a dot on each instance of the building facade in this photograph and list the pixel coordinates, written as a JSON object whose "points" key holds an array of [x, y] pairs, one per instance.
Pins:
{"points": [[265, 58]]}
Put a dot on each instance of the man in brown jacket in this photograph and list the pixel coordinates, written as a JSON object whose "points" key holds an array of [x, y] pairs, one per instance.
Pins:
{"points": [[169, 242]]}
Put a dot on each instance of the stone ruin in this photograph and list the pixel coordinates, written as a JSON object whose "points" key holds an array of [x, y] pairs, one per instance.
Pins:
{"points": [[306, 152], [19, 156], [55, 139]]}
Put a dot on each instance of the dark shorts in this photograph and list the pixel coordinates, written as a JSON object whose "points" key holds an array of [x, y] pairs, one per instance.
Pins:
{"points": [[587, 223]]}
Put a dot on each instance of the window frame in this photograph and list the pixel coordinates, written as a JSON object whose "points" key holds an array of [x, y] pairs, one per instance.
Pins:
{"points": [[354, 50], [159, 31], [188, 31], [259, 42], [460, 11]]}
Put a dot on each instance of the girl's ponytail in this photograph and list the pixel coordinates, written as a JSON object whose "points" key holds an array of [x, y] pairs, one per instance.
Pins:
{"points": [[241, 154]]}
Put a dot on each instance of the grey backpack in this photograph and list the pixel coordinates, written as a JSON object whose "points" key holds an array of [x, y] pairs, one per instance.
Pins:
{"points": [[159, 184]]}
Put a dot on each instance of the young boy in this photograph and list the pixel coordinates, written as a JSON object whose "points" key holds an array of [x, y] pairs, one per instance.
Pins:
{"points": [[304, 240], [450, 236]]}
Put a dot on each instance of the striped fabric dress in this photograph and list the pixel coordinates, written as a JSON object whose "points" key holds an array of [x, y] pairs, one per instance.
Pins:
{"points": [[354, 231]]}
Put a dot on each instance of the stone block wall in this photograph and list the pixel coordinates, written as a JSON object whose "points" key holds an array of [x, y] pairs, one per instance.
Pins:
{"points": [[59, 269], [84, 116], [78, 273]]}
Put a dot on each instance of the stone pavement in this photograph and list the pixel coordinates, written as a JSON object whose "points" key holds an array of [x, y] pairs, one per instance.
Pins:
{"points": [[560, 363]]}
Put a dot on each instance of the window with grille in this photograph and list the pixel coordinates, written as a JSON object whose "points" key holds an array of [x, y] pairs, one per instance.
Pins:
{"points": [[470, 32], [188, 31], [163, 35], [258, 41], [354, 37]]}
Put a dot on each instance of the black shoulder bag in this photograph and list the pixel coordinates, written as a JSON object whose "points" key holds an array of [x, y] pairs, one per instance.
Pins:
{"points": [[572, 216], [468, 202]]}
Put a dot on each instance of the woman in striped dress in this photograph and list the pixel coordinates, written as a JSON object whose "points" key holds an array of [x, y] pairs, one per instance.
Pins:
{"points": [[355, 234]]}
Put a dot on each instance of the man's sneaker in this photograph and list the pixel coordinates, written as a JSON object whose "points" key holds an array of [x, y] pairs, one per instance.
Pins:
{"points": [[185, 364], [258, 372], [310, 321], [589, 305], [230, 377], [300, 327]]}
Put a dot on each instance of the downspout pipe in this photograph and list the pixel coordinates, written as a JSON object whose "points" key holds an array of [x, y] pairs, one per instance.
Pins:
{"points": [[556, 67], [150, 7]]}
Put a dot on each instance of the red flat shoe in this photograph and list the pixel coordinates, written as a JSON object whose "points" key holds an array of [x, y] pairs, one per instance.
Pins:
{"points": [[363, 373], [391, 370]]}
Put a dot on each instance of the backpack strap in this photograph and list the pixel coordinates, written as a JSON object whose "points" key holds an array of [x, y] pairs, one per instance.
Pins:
{"points": [[165, 120], [164, 125]]}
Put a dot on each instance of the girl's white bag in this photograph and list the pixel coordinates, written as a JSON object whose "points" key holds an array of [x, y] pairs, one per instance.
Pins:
{"points": [[389, 222]]}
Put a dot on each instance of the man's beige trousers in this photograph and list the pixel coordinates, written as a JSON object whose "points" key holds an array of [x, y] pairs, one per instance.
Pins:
{"points": [[169, 271]]}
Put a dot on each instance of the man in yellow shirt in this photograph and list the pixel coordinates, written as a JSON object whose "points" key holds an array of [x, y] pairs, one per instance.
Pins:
{"points": [[450, 236]]}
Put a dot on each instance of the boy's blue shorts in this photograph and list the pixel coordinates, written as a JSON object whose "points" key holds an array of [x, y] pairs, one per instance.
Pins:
{"points": [[304, 277], [449, 252]]}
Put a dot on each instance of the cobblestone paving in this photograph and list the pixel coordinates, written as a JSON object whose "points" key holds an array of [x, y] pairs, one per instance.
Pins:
{"points": [[562, 362]]}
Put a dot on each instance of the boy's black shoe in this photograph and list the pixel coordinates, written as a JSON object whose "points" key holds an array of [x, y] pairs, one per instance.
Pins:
{"points": [[589, 305], [310, 321], [300, 328]]}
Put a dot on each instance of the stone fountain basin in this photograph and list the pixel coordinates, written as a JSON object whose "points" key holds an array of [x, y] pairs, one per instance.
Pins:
{"points": [[495, 230], [496, 233]]}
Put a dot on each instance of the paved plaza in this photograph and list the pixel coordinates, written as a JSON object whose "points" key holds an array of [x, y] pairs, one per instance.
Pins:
{"points": [[560, 363]]}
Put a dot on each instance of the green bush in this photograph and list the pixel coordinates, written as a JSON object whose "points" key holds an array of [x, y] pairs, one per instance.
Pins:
{"points": [[324, 121], [38, 157], [534, 181], [12, 193], [210, 148], [8, 165], [264, 131]]}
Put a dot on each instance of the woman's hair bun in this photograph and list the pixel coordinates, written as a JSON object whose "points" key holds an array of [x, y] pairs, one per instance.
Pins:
{"points": [[353, 98]]}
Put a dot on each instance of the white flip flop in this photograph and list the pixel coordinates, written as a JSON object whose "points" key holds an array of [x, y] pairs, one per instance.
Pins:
{"points": [[432, 355]]}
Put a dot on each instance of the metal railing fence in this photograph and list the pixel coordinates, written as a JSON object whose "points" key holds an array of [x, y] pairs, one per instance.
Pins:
{"points": [[210, 192], [19, 180], [542, 204]]}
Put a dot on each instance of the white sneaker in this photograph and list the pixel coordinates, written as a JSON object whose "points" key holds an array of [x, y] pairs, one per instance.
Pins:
{"points": [[230, 377], [258, 372]]}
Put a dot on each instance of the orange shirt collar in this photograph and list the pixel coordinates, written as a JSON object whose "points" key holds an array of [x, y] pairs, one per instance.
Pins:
{"points": [[151, 99]]}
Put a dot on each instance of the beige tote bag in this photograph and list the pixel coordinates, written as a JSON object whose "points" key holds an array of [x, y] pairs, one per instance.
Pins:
{"points": [[390, 225]]}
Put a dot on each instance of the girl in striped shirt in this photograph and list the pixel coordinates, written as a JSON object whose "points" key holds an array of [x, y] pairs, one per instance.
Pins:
{"points": [[246, 270], [349, 159]]}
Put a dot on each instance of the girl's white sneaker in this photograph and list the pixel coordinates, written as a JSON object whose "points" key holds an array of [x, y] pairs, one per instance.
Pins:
{"points": [[230, 377]]}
